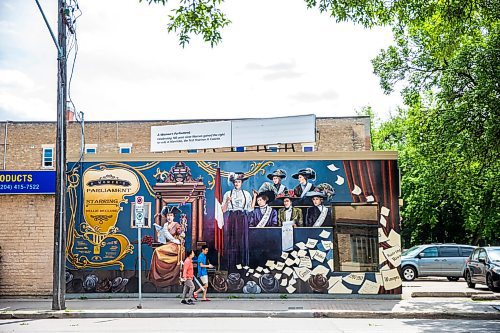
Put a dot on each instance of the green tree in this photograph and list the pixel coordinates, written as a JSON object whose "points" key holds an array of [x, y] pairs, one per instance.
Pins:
{"points": [[446, 57]]}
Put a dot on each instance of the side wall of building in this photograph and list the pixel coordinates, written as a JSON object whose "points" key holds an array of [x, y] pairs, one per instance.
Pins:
{"points": [[26, 222]]}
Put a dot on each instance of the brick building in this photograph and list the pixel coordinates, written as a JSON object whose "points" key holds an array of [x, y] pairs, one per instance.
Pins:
{"points": [[26, 222]]}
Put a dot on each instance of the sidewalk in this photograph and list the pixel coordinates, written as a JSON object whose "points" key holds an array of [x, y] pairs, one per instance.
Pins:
{"points": [[421, 308]]}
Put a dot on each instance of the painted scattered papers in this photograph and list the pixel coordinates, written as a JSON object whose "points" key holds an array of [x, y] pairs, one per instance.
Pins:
{"points": [[251, 270], [287, 236], [319, 256], [393, 254], [394, 238], [311, 243], [312, 253], [340, 180], [257, 275], [330, 264], [287, 271], [383, 221], [332, 167], [289, 262], [301, 245], [284, 282], [279, 265], [305, 262], [277, 276], [339, 288], [369, 287], [381, 236], [385, 211], [354, 278], [356, 190], [290, 289], [370, 198], [320, 270], [391, 279], [270, 264], [324, 234], [301, 253], [332, 280], [294, 254], [303, 273], [292, 282], [328, 245], [259, 269], [284, 255], [265, 270], [239, 266]]}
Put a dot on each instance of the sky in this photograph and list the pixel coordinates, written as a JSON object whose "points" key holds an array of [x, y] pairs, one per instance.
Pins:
{"points": [[277, 58]]}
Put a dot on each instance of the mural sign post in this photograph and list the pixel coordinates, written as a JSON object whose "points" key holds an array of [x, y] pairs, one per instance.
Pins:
{"points": [[139, 223]]}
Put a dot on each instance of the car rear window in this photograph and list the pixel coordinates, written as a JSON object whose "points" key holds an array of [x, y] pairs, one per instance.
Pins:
{"points": [[448, 251], [466, 251]]}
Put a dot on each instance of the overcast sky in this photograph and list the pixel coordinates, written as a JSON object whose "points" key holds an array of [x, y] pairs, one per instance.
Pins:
{"points": [[276, 59]]}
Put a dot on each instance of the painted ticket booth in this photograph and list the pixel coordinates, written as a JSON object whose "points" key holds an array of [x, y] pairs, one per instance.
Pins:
{"points": [[337, 232]]}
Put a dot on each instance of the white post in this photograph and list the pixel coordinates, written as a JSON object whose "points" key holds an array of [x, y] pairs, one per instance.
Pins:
{"points": [[140, 269]]}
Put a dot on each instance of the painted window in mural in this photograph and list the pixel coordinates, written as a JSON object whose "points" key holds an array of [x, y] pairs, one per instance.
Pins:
{"points": [[356, 238], [281, 226]]}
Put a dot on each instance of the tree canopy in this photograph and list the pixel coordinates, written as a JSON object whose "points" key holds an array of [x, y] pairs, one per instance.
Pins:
{"points": [[446, 59]]}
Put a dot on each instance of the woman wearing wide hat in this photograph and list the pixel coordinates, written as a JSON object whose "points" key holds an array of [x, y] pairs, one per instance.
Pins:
{"points": [[304, 176], [288, 212], [275, 186], [318, 215], [166, 259], [237, 203], [263, 215]]}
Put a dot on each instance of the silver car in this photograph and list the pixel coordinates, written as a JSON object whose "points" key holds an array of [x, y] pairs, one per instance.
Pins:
{"points": [[435, 260]]}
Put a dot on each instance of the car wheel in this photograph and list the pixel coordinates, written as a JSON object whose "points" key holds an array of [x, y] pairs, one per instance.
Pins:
{"points": [[489, 283], [409, 273], [469, 280], [453, 278]]}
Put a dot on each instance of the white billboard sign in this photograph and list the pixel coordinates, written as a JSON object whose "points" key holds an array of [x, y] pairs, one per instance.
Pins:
{"points": [[268, 131], [191, 136], [235, 133]]}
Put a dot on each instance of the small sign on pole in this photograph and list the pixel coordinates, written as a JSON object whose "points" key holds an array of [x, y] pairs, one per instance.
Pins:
{"points": [[139, 223]]}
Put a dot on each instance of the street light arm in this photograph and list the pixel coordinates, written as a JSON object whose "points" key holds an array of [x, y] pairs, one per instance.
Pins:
{"points": [[59, 50]]}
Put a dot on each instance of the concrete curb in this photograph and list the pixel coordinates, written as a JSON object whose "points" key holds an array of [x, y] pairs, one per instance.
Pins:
{"points": [[446, 294], [249, 314]]}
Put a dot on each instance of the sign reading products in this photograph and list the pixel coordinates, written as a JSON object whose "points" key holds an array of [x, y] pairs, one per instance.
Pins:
{"points": [[234, 133], [27, 182]]}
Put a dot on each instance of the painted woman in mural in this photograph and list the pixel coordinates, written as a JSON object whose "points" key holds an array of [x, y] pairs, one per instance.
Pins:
{"points": [[166, 259], [263, 215], [237, 204], [304, 186]]}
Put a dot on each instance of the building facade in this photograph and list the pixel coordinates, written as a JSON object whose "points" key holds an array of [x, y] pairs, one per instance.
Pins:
{"points": [[26, 234]]}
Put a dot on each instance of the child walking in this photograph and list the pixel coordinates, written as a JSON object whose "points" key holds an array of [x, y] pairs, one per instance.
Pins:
{"points": [[187, 277]]}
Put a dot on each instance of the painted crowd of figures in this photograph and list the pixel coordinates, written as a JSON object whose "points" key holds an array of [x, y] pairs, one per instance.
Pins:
{"points": [[270, 206]]}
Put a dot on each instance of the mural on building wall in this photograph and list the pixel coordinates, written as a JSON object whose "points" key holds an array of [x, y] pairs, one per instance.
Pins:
{"points": [[277, 226]]}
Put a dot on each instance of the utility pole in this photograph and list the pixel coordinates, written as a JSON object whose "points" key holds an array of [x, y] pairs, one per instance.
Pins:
{"points": [[59, 282]]}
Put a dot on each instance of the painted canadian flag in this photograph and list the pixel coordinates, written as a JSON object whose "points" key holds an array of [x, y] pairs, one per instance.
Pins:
{"points": [[219, 216]]}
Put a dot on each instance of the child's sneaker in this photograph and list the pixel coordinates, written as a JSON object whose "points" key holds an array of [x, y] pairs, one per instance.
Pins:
{"points": [[184, 302]]}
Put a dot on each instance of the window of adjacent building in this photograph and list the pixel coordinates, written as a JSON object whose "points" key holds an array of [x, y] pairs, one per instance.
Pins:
{"points": [[355, 238], [307, 148], [192, 151], [273, 149], [48, 157], [125, 150], [90, 149], [239, 149]]}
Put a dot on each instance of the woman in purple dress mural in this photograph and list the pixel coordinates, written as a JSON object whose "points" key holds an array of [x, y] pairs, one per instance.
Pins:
{"points": [[263, 215], [237, 204]]}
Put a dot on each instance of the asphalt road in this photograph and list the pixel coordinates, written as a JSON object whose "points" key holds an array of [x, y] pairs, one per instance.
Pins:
{"points": [[438, 284], [221, 325]]}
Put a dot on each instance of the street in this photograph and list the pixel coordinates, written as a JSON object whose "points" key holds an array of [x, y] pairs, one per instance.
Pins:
{"points": [[247, 325]]}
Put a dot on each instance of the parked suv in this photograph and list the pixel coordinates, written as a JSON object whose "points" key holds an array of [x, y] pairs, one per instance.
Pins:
{"points": [[435, 260], [483, 267]]}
